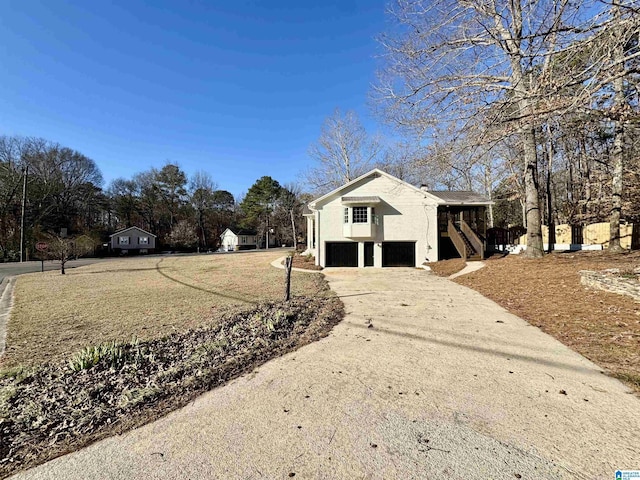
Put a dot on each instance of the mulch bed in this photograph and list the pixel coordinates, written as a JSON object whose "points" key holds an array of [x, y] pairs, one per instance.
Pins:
{"points": [[602, 326], [52, 410], [306, 262]]}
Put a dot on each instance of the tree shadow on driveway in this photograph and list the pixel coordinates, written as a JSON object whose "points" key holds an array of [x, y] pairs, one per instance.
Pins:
{"points": [[356, 294], [478, 349]]}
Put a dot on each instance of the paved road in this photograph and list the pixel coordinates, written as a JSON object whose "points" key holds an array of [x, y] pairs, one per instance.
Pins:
{"points": [[423, 379], [16, 268]]}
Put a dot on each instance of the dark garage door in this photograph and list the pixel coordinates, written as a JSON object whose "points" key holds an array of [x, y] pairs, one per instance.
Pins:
{"points": [[399, 254], [341, 254]]}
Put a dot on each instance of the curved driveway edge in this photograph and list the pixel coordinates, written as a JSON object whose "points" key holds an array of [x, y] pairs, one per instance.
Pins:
{"points": [[424, 378], [277, 263]]}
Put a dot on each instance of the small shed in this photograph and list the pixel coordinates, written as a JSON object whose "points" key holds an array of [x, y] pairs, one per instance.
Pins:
{"points": [[132, 240], [238, 239]]}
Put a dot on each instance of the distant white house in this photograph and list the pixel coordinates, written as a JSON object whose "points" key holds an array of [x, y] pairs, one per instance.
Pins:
{"points": [[238, 239], [378, 220], [132, 239]]}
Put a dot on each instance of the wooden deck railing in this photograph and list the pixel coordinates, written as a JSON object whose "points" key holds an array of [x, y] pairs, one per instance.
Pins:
{"points": [[473, 238], [457, 240]]}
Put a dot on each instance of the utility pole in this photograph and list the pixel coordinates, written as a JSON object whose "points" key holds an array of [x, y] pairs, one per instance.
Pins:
{"points": [[25, 172]]}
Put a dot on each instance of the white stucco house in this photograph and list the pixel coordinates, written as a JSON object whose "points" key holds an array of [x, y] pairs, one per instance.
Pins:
{"points": [[238, 239], [378, 220]]}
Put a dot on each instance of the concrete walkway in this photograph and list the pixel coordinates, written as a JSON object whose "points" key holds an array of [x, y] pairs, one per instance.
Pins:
{"points": [[469, 267], [423, 379], [277, 263]]}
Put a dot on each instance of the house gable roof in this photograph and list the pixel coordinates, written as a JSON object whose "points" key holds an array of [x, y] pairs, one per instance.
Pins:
{"points": [[374, 172], [132, 228], [238, 231], [438, 197]]}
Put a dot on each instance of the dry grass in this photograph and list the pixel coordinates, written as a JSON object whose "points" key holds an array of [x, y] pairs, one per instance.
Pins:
{"points": [[602, 326], [444, 268], [144, 297]]}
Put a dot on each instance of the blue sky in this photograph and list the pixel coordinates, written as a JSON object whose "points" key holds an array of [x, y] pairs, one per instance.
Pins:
{"points": [[237, 88]]}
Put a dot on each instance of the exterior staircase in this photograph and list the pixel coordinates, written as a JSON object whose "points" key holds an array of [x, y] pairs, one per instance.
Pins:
{"points": [[466, 241], [471, 251]]}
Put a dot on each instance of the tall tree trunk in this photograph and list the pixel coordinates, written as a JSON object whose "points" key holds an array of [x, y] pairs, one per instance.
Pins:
{"points": [[585, 168], [201, 225], [489, 190], [526, 130], [618, 152], [616, 190], [550, 222], [535, 246]]}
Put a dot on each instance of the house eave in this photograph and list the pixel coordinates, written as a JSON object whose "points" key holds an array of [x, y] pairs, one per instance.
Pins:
{"points": [[132, 228], [465, 204], [370, 200]]}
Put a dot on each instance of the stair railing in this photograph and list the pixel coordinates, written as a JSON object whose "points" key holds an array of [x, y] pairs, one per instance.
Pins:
{"points": [[457, 240], [473, 238]]}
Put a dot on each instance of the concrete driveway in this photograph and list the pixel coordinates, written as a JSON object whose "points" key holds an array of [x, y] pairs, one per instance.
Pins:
{"points": [[423, 379]]}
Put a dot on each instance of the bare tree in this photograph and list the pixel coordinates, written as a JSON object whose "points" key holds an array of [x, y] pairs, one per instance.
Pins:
{"points": [[202, 196], [290, 202], [183, 234], [64, 249], [624, 34], [343, 152], [403, 159], [63, 190], [453, 60], [170, 182], [125, 198], [12, 150]]}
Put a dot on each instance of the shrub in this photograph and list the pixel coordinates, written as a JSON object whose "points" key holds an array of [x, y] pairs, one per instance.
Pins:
{"points": [[113, 354]]}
